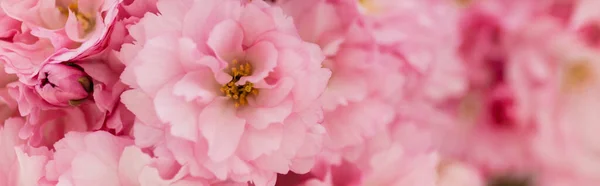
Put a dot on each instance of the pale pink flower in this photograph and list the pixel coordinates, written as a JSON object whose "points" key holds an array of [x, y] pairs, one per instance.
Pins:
{"points": [[238, 89], [20, 165]]}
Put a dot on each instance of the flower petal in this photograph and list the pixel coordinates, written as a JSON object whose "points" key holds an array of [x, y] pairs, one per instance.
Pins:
{"points": [[180, 114], [263, 57], [255, 22], [262, 117], [225, 40], [221, 128], [255, 142], [199, 85]]}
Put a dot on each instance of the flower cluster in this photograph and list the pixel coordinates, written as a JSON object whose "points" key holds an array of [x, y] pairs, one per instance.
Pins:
{"points": [[299, 92]]}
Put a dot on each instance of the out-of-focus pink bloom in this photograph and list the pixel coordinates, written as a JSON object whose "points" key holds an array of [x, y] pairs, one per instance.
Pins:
{"points": [[63, 84], [492, 125], [239, 92], [20, 164]]}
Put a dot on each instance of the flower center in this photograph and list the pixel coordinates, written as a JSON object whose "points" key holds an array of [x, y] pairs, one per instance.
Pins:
{"points": [[239, 93], [86, 22], [470, 107], [577, 74]]}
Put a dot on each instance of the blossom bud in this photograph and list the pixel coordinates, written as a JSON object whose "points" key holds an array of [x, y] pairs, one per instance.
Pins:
{"points": [[64, 84]]}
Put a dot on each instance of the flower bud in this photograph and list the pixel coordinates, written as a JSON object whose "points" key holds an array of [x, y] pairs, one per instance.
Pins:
{"points": [[64, 84]]}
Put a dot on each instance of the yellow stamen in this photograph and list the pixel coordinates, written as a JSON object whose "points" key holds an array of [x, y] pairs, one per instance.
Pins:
{"points": [[86, 21], [577, 75], [239, 93]]}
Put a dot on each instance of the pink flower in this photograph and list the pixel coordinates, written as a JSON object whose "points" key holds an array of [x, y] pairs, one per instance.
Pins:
{"points": [[19, 163], [240, 90], [63, 84], [90, 94]]}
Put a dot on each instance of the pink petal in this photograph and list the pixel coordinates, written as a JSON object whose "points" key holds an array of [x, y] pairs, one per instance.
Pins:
{"points": [[312, 87], [174, 10], [89, 170], [263, 58], [30, 167], [262, 117], [157, 57], [199, 85], [141, 105], [226, 40], [131, 163], [145, 135], [255, 22], [255, 143], [274, 162], [269, 97], [221, 128], [180, 114]]}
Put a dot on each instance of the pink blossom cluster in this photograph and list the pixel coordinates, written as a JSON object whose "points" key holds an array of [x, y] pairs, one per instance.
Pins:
{"points": [[299, 92]]}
